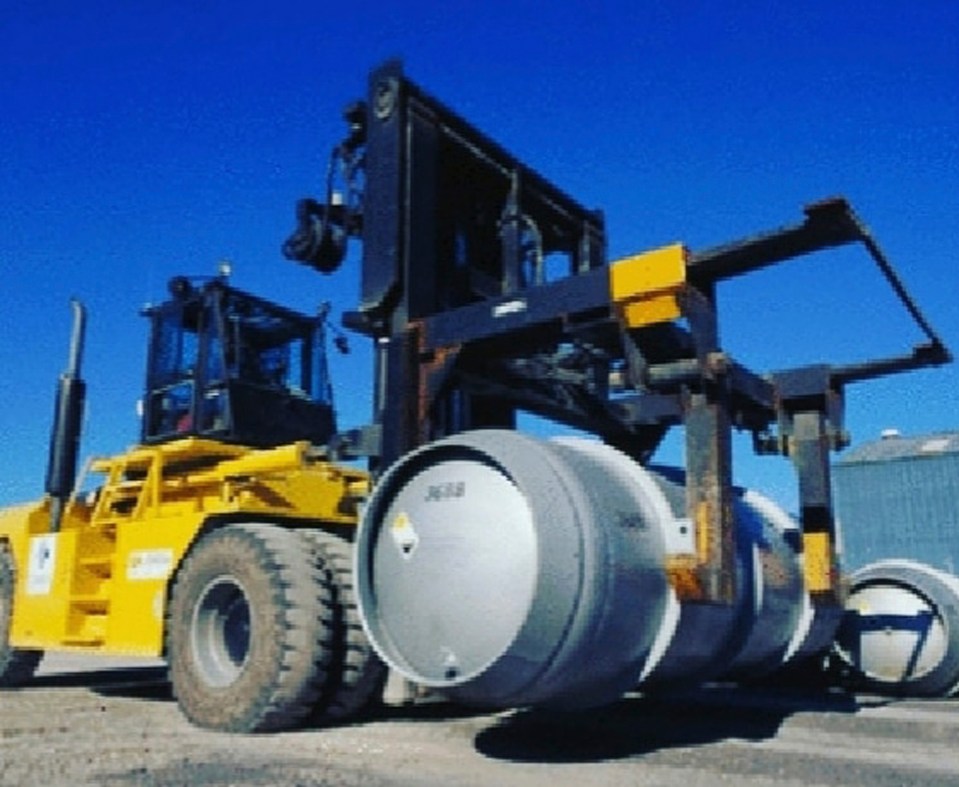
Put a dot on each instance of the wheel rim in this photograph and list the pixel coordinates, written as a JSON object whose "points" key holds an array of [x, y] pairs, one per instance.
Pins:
{"points": [[220, 632]]}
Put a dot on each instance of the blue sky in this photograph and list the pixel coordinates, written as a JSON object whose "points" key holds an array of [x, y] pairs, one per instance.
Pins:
{"points": [[146, 139]]}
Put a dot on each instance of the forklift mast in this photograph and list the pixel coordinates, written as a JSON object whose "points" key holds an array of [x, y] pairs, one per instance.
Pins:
{"points": [[226, 365], [487, 291]]}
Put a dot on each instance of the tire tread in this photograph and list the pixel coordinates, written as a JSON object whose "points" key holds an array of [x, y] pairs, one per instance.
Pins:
{"points": [[17, 665], [300, 603], [357, 675]]}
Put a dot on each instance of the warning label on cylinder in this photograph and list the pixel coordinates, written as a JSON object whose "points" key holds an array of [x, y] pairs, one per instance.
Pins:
{"points": [[404, 535]]}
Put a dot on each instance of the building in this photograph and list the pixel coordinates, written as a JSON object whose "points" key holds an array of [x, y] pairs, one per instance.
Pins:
{"points": [[899, 497]]}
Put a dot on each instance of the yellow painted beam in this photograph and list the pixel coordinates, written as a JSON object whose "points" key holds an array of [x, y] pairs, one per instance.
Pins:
{"points": [[644, 288]]}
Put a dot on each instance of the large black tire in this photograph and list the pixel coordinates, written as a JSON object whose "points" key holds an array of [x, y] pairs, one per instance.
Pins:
{"points": [[16, 665], [249, 630], [356, 674]]}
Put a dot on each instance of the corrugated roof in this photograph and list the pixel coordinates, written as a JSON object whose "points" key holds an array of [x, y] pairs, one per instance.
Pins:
{"points": [[898, 447]]}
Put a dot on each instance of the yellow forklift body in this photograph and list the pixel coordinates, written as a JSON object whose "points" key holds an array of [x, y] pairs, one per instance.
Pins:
{"points": [[99, 584]]}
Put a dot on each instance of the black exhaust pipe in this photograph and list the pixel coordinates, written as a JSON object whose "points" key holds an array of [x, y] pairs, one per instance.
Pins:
{"points": [[67, 422]]}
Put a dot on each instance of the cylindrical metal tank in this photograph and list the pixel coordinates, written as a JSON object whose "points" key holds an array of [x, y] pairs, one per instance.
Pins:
{"points": [[900, 634], [767, 623], [506, 570]]}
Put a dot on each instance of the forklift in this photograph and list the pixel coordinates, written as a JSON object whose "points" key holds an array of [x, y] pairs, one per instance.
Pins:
{"points": [[277, 580]]}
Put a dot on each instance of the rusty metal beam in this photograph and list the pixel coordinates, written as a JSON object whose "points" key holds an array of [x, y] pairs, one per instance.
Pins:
{"points": [[709, 492]]}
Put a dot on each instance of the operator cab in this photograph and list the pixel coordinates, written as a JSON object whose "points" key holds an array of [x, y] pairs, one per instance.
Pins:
{"points": [[227, 365]]}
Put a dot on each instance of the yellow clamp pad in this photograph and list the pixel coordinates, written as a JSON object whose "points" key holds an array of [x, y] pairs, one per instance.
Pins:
{"points": [[819, 562], [644, 287]]}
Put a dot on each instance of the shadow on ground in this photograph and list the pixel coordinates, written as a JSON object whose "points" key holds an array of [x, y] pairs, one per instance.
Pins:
{"points": [[134, 682], [643, 724], [636, 725]]}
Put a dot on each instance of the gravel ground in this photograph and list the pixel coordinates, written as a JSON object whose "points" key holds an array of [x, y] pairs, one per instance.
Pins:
{"points": [[89, 722]]}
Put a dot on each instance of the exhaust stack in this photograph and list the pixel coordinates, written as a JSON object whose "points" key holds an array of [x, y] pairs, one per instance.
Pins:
{"points": [[67, 417]]}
